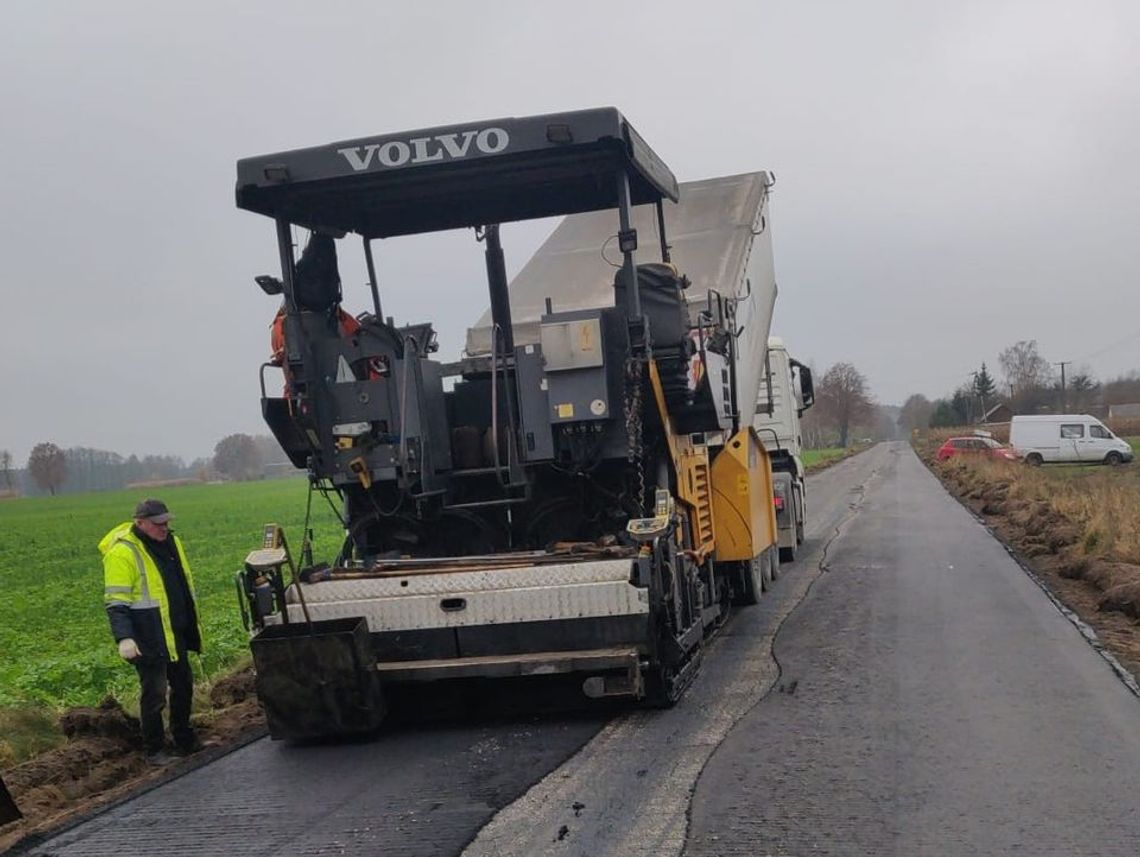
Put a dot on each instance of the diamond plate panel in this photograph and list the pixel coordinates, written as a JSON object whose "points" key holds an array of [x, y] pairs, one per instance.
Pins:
{"points": [[565, 574], [570, 591]]}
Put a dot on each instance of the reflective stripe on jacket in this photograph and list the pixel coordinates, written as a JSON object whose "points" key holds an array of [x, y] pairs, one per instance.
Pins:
{"points": [[132, 585]]}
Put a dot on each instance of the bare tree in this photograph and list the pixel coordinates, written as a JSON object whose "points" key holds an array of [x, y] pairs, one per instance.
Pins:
{"points": [[844, 398], [1027, 371], [236, 456], [811, 424], [47, 465]]}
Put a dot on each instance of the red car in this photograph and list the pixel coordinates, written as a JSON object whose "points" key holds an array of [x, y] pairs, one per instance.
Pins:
{"points": [[976, 446]]}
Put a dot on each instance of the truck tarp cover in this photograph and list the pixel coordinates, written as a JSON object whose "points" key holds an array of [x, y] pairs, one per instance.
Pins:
{"points": [[465, 175], [719, 239]]}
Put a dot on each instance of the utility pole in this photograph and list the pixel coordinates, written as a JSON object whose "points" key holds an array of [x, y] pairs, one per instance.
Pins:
{"points": [[1063, 364]]}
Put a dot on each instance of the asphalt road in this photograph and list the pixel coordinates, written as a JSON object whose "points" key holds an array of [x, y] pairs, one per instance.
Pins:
{"points": [[936, 703], [924, 697]]}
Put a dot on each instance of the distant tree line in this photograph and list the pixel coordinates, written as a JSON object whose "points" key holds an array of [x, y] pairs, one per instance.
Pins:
{"points": [[1030, 385], [53, 470]]}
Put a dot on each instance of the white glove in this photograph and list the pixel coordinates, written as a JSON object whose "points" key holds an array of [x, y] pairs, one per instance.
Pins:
{"points": [[128, 649]]}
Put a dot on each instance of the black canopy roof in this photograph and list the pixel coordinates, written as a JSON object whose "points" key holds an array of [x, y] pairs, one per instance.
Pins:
{"points": [[457, 176]]}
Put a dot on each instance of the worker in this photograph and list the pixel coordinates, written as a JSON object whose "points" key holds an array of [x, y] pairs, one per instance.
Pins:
{"points": [[149, 595], [316, 289], [347, 326]]}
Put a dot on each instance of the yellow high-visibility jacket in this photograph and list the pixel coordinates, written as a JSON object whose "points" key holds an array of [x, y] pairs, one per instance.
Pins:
{"points": [[135, 595]]}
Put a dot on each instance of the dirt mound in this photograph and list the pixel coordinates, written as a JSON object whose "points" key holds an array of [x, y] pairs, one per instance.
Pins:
{"points": [[74, 769], [107, 721], [1074, 565], [233, 689], [1125, 598], [101, 760], [70, 779], [1120, 583], [1104, 574], [1061, 535], [100, 754], [995, 498], [1038, 528]]}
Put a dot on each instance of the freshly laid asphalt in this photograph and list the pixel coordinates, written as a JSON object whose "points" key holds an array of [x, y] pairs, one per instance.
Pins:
{"points": [[933, 702], [414, 792], [904, 689]]}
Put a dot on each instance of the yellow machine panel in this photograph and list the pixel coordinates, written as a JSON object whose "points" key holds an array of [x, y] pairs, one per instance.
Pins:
{"points": [[691, 463], [744, 516]]}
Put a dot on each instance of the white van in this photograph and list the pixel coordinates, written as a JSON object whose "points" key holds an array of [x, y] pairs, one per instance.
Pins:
{"points": [[1068, 438]]}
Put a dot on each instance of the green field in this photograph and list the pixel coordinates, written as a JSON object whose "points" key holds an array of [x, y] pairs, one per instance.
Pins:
{"points": [[55, 643], [813, 457]]}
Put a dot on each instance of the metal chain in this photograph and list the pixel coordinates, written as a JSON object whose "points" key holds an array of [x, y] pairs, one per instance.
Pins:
{"points": [[635, 452]]}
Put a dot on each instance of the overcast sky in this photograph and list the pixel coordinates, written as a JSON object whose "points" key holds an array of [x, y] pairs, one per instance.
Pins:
{"points": [[952, 177]]}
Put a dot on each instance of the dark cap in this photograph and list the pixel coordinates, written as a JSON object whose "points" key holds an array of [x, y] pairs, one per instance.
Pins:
{"points": [[153, 510]]}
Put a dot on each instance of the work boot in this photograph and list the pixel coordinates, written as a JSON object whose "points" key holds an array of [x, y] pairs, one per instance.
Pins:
{"points": [[159, 759], [189, 748]]}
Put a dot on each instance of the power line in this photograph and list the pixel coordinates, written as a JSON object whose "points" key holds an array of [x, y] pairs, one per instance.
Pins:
{"points": [[1110, 346]]}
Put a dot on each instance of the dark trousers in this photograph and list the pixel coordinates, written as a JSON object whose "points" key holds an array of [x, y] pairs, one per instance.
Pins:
{"points": [[156, 676]]}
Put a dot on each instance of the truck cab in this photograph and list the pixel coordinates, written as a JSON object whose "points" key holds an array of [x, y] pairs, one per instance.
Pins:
{"points": [[786, 392]]}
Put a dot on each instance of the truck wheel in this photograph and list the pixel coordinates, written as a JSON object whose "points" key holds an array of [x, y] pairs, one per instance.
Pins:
{"points": [[750, 582], [768, 567], [1114, 459], [661, 687], [1033, 459]]}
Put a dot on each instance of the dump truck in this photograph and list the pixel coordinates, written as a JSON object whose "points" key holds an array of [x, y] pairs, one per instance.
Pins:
{"points": [[581, 493], [785, 393]]}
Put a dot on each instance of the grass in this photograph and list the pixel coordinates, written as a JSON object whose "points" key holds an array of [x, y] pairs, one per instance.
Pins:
{"points": [[54, 636], [1103, 501], [25, 731], [814, 457]]}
